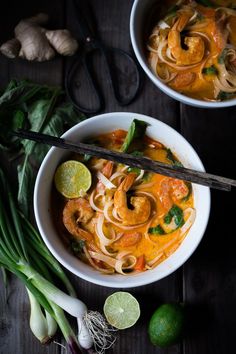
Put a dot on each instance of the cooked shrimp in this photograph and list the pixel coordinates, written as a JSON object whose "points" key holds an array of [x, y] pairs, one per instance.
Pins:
{"points": [[129, 239], [141, 206], [195, 45], [183, 79], [77, 213], [172, 190]]}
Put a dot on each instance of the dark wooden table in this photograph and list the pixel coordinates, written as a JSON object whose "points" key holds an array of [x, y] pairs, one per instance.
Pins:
{"points": [[207, 281]]}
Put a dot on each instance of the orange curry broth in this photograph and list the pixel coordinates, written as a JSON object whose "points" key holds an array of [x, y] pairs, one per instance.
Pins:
{"points": [[201, 87], [149, 249]]}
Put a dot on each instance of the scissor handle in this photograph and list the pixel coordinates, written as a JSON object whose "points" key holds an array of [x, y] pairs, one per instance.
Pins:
{"points": [[123, 101], [112, 78], [69, 77]]}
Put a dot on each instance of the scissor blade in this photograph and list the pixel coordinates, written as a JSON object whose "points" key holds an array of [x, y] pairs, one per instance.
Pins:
{"points": [[84, 27]]}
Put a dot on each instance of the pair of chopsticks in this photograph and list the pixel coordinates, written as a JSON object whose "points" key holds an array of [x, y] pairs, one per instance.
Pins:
{"points": [[186, 174]]}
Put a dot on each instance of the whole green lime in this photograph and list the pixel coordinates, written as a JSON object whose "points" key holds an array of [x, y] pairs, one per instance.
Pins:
{"points": [[166, 325]]}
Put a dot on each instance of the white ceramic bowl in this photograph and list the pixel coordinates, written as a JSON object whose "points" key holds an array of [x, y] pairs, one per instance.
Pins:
{"points": [[42, 194], [138, 26]]}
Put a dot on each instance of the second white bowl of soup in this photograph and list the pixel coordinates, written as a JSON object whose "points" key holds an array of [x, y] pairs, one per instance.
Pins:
{"points": [[187, 49], [131, 227]]}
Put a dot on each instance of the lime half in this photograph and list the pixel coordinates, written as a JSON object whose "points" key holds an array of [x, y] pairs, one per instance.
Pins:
{"points": [[72, 179], [121, 310]]}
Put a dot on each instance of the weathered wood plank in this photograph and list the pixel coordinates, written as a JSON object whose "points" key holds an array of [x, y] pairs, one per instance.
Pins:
{"points": [[15, 334], [209, 290]]}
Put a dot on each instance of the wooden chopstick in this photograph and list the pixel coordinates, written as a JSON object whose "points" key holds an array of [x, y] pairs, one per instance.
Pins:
{"points": [[186, 174]]}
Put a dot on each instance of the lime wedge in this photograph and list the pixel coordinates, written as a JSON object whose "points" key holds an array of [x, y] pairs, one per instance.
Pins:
{"points": [[121, 310], [72, 179]]}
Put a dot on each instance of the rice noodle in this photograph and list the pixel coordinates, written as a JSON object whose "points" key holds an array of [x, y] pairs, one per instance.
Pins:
{"points": [[105, 181], [148, 195], [198, 26], [140, 176], [93, 264], [118, 264], [142, 186], [202, 35], [105, 251], [229, 12], [189, 221], [115, 175], [152, 263], [99, 230], [91, 202], [115, 215], [102, 257]]}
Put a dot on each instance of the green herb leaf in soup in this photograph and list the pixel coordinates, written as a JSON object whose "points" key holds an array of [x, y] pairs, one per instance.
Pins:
{"points": [[136, 131], [175, 213], [157, 230], [170, 156]]}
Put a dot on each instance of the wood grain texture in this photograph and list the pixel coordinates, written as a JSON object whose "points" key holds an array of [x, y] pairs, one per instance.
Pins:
{"points": [[209, 276], [207, 281]]}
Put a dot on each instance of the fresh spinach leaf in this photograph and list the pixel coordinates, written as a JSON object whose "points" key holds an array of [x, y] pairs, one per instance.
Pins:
{"points": [[136, 130], [157, 230], [211, 70], [87, 157], [225, 95], [25, 184], [176, 213], [137, 153], [134, 170], [206, 3], [77, 246], [189, 185], [170, 156]]}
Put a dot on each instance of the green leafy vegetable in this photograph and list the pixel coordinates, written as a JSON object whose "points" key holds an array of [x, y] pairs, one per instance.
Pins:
{"points": [[137, 153], [134, 170], [176, 213], [23, 253], [206, 3], [136, 130], [170, 156], [189, 185], [211, 70], [37, 107], [225, 95], [77, 246], [157, 230]]}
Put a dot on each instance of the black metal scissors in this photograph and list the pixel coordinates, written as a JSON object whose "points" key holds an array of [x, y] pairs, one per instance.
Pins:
{"points": [[83, 61]]}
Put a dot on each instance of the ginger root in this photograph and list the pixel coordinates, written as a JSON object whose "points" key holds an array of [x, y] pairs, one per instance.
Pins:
{"points": [[34, 42]]}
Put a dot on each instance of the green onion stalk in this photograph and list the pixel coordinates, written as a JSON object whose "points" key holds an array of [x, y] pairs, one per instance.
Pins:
{"points": [[23, 253]]}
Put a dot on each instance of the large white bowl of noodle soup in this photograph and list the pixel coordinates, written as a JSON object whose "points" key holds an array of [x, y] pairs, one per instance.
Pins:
{"points": [[43, 187], [139, 24]]}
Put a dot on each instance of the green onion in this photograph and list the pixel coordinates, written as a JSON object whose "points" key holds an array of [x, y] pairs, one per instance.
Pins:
{"points": [[39, 323], [23, 253]]}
